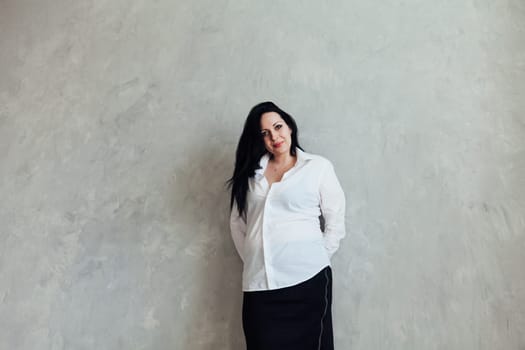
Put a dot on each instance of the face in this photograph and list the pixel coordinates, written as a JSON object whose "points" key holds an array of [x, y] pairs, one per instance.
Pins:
{"points": [[275, 133]]}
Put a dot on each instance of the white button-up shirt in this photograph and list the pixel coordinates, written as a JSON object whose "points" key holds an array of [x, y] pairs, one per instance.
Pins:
{"points": [[280, 241]]}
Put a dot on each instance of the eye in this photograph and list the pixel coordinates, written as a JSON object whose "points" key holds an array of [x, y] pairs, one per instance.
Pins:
{"points": [[263, 134], [278, 126]]}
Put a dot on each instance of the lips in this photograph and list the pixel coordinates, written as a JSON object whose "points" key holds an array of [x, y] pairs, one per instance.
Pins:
{"points": [[278, 144]]}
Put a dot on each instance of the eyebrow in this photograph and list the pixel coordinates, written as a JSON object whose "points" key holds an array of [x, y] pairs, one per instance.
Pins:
{"points": [[272, 125]]}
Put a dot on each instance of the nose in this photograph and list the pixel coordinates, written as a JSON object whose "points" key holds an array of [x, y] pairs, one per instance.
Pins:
{"points": [[273, 135]]}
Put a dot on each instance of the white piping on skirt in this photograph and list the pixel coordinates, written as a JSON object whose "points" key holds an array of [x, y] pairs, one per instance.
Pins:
{"points": [[325, 307]]}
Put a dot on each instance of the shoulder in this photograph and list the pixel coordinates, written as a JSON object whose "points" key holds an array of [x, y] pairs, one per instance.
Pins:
{"points": [[318, 161], [316, 158]]}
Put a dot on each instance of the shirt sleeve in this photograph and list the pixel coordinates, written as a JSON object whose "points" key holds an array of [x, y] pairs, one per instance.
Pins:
{"points": [[332, 208], [238, 230]]}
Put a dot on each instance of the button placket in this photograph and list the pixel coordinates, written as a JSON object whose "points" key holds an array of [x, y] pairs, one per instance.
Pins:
{"points": [[266, 250]]}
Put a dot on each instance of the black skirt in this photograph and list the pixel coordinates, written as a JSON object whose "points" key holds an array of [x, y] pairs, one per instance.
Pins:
{"points": [[297, 317]]}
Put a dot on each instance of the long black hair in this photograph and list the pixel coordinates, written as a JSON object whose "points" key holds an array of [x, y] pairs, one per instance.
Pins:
{"points": [[251, 148]]}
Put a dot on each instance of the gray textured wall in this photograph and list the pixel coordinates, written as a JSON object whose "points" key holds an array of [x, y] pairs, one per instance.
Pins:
{"points": [[118, 123]]}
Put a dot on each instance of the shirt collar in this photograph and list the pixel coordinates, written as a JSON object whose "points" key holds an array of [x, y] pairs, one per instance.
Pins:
{"points": [[302, 157]]}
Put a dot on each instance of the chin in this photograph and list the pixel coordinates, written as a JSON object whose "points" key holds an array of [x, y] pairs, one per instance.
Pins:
{"points": [[282, 149]]}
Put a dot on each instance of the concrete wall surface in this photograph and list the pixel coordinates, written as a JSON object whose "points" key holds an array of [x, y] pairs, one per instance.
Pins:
{"points": [[118, 126]]}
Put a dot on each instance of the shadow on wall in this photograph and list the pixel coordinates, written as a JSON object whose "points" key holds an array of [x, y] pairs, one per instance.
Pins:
{"points": [[209, 289]]}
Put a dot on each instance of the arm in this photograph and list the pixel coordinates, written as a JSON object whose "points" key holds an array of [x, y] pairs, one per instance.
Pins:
{"points": [[333, 209], [238, 230]]}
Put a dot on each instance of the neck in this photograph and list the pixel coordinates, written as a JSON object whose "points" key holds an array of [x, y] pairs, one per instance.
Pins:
{"points": [[282, 159]]}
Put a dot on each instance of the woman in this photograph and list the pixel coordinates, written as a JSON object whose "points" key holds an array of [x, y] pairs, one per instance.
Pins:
{"points": [[278, 193]]}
